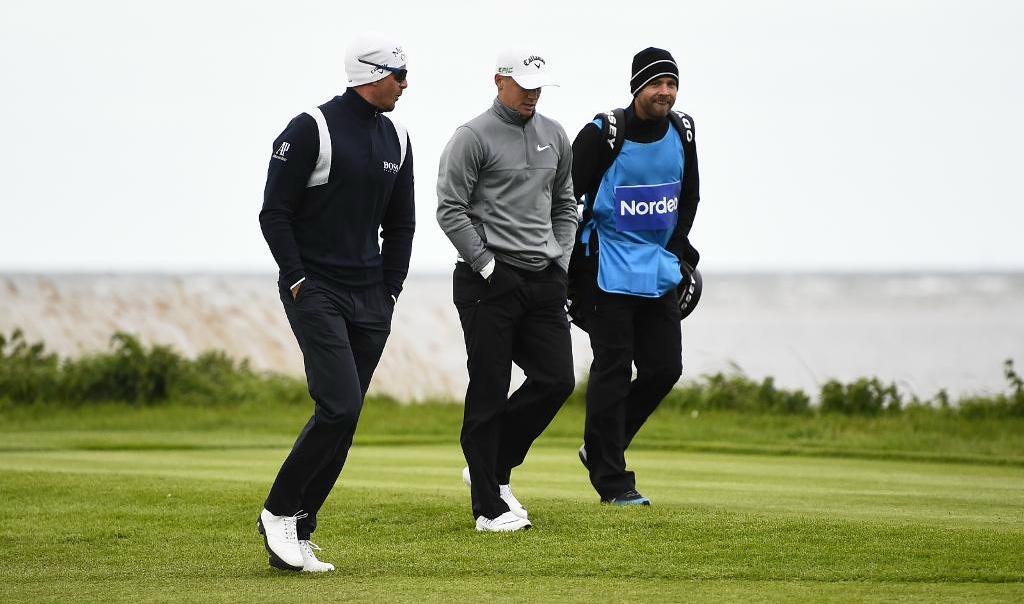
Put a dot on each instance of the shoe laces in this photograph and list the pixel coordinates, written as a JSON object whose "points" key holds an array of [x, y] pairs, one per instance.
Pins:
{"points": [[308, 547], [290, 532]]}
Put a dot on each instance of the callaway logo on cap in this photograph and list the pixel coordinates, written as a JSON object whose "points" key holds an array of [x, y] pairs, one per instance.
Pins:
{"points": [[528, 69]]}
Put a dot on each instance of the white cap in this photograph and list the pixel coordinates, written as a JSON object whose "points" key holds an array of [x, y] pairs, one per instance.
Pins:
{"points": [[372, 48], [528, 69]]}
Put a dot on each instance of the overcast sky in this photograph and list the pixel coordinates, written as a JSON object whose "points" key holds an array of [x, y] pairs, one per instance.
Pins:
{"points": [[831, 135]]}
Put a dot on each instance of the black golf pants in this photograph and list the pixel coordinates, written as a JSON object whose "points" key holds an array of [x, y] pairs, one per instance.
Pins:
{"points": [[625, 330], [518, 316], [341, 334]]}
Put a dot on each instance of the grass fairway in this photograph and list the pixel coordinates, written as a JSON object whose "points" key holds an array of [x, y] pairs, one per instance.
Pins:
{"points": [[125, 505]]}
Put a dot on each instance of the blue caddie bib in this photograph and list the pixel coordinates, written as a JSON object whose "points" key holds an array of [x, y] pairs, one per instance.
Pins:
{"points": [[635, 212]]}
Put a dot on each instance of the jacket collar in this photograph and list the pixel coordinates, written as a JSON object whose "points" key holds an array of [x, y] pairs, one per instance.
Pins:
{"points": [[505, 114], [358, 105]]}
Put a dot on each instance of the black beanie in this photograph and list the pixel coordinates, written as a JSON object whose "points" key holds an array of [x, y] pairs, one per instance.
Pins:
{"points": [[650, 64]]}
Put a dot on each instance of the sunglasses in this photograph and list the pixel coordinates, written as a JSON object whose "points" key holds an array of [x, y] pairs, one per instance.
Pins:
{"points": [[400, 72]]}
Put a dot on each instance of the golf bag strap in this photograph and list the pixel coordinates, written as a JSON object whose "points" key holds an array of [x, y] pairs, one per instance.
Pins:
{"points": [[684, 126], [613, 131]]}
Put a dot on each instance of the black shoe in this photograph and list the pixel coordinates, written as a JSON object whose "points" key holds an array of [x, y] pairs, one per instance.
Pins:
{"points": [[631, 497]]}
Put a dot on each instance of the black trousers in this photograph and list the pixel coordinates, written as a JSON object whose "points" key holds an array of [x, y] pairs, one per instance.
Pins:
{"points": [[519, 316], [625, 330], [342, 336]]}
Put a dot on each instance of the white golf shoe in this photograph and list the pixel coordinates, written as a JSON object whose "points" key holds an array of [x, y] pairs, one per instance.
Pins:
{"points": [[310, 563], [506, 523], [505, 492], [281, 540]]}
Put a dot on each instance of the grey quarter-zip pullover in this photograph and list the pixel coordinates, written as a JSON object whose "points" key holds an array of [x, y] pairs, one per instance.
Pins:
{"points": [[504, 190]]}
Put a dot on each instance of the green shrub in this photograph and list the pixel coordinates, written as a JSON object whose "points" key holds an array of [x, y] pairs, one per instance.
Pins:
{"points": [[1016, 398], [862, 397], [129, 373], [133, 373], [1001, 405], [736, 392], [27, 372]]}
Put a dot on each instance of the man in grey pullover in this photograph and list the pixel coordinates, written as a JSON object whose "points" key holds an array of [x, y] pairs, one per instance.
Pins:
{"points": [[505, 200]]}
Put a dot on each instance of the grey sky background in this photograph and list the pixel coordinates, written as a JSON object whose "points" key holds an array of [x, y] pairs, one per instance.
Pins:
{"points": [[849, 136]]}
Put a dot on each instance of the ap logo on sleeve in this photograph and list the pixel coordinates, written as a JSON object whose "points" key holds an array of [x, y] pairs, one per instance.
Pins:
{"points": [[647, 207]]}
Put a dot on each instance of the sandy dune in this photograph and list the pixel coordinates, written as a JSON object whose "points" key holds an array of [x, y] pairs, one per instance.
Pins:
{"points": [[72, 314]]}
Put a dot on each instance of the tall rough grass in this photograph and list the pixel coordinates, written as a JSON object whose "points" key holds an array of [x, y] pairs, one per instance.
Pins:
{"points": [[862, 397], [134, 373]]}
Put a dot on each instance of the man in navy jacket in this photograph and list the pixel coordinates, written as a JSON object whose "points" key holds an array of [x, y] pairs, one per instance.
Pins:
{"points": [[340, 176]]}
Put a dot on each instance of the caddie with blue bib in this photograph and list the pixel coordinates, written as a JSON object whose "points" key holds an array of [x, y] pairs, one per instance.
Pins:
{"points": [[633, 272]]}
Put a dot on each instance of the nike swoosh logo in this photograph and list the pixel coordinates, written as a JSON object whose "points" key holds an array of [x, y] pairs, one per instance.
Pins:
{"points": [[539, 148]]}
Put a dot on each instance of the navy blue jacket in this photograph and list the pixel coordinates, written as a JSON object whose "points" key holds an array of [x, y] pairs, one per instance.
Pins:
{"points": [[323, 211]]}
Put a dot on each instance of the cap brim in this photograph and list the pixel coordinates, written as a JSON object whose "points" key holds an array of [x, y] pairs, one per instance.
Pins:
{"points": [[534, 80]]}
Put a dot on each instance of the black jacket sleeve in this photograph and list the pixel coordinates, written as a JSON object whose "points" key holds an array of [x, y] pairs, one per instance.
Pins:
{"points": [[689, 197], [397, 227], [589, 160], [293, 159]]}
